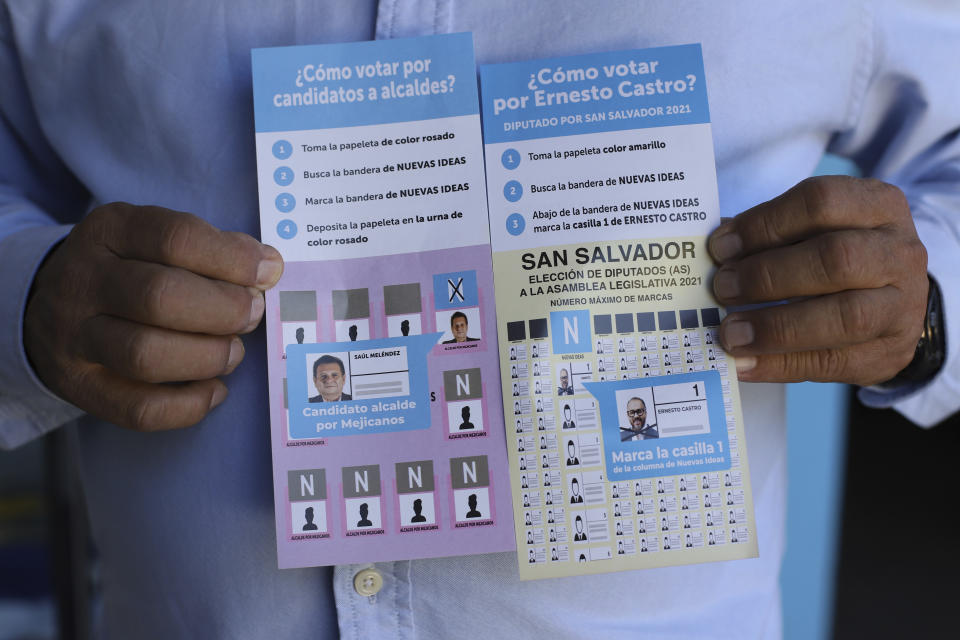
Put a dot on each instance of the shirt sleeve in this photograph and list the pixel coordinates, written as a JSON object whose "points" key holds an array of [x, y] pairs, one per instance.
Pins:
{"points": [[39, 198], [905, 129]]}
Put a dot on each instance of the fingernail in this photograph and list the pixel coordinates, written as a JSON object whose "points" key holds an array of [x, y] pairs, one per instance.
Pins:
{"points": [[219, 395], [268, 272], [236, 353], [256, 308], [724, 243], [745, 363], [726, 284], [737, 334]]}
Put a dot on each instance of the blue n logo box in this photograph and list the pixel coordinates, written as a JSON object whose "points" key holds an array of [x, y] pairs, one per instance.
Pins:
{"points": [[570, 331]]}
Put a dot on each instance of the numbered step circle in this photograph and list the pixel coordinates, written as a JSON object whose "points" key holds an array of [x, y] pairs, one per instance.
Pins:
{"points": [[286, 229], [282, 149], [283, 176], [515, 224], [513, 191], [285, 202], [510, 159]]}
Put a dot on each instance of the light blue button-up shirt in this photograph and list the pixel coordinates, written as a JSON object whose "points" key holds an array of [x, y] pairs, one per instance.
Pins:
{"points": [[149, 101]]}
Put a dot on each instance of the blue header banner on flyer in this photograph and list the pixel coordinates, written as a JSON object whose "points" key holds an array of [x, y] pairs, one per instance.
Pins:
{"points": [[663, 425], [362, 387], [353, 84], [635, 89]]}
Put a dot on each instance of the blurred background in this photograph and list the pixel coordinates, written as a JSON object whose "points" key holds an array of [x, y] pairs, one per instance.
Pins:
{"points": [[862, 483]]}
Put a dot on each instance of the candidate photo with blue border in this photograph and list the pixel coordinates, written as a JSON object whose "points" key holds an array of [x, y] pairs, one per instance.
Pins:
{"points": [[329, 378], [638, 421]]}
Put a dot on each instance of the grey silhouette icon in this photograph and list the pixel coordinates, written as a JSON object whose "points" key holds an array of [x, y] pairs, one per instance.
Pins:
{"points": [[308, 516], [364, 520], [417, 509], [472, 503], [465, 414]]}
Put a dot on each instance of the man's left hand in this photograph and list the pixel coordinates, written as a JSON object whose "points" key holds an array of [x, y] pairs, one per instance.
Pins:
{"points": [[844, 253]]}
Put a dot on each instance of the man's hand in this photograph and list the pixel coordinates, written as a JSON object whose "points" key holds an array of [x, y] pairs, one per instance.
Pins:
{"points": [[137, 312], [846, 254]]}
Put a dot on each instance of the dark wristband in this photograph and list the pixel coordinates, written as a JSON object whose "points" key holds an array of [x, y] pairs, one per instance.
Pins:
{"points": [[931, 348]]}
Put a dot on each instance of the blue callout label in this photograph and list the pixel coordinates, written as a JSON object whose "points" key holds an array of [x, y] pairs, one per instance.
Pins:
{"points": [[663, 425], [352, 388]]}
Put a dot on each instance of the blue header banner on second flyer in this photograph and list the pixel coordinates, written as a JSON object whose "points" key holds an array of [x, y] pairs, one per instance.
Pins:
{"points": [[351, 84], [612, 91]]}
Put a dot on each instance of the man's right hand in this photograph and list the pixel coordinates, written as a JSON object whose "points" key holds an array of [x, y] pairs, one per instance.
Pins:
{"points": [[137, 312]]}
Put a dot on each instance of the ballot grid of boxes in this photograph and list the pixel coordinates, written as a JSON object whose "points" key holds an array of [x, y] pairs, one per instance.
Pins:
{"points": [[570, 511], [455, 299], [453, 309], [420, 495]]}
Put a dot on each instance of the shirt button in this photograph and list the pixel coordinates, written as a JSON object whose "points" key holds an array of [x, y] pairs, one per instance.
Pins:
{"points": [[368, 582]]}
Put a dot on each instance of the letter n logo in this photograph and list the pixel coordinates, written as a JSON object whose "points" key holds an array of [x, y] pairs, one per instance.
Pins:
{"points": [[570, 331]]}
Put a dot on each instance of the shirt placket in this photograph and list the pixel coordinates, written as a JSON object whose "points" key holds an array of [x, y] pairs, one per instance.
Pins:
{"points": [[374, 600], [409, 18]]}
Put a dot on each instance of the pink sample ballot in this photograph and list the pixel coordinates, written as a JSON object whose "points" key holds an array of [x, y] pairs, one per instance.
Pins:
{"points": [[386, 419]]}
